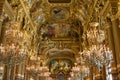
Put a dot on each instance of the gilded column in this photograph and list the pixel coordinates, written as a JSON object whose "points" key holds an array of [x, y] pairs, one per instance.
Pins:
{"points": [[115, 38], [6, 73], [116, 41], [118, 65], [12, 75], [16, 71], [19, 72], [112, 46], [0, 30], [91, 72]]}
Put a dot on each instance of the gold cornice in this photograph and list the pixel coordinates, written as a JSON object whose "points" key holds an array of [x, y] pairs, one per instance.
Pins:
{"points": [[58, 50]]}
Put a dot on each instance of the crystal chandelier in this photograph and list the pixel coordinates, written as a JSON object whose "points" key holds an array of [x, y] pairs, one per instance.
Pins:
{"points": [[98, 53], [36, 70], [12, 34], [94, 34], [79, 72], [33, 68], [12, 54], [11, 51], [45, 73]]}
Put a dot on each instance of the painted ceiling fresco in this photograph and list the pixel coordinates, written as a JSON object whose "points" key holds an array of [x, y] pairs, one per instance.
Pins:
{"points": [[60, 65], [58, 30]]}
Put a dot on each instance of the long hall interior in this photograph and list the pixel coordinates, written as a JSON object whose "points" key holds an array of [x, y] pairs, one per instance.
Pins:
{"points": [[59, 39]]}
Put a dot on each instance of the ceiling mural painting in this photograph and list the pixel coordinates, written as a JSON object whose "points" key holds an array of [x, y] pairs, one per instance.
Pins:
{"points": [[60, 65], [58, 30], [60, 13]]}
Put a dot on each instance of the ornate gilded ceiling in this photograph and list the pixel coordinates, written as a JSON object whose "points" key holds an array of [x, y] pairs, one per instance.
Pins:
{"points": [[56, 29]]}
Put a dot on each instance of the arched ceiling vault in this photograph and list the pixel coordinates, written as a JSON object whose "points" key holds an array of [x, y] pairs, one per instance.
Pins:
{"points": [[56, 30]]}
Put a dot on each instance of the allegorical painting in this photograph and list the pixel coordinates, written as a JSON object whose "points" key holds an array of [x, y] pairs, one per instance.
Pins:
{"points": [[58, 30], [57, 65]]}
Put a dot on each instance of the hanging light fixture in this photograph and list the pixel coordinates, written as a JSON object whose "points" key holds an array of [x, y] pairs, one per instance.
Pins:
{"points": [[94, 34], [12, 54], [45, 73], [36, 70], [79, 72], [98, 53]]}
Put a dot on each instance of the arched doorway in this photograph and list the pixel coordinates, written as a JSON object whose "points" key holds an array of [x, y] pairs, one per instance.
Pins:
{"points": [[61, 76]]}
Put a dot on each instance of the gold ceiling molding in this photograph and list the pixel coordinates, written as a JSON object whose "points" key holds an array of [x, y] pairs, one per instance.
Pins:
{"points": [[58, 50]]}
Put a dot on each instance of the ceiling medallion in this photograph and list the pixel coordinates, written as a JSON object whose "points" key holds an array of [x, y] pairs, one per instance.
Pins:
{"points": [[59, 1], [59, 13]]}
